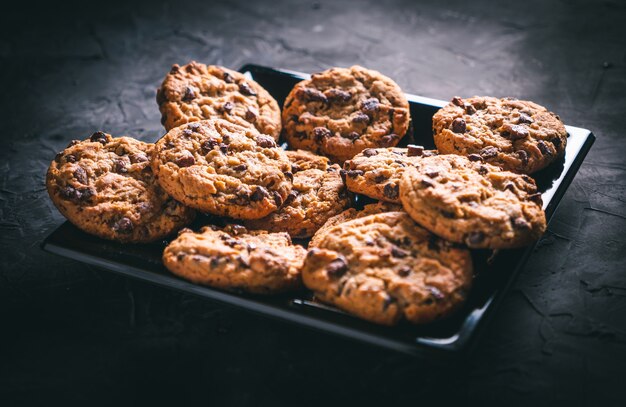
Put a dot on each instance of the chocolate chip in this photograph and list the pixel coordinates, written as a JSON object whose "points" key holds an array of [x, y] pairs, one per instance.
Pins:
{"points": [[353, 136], [223, 148], [557, 142], [524, 118], [70, 158], [355, 173], [360, 118], [187, 133], [469, 109], [189, 94], [458, 125], [414, 150], [389, 140], [514, 132], [124, 225], [174, 68], [320, 133], [523, 156], [489, 152], [81, 175], [368, 152], [291, 197], [448, 214], [458, 101], [311, 95], [426, 184], [258, 194], [370, 106], [246, 90], [342, 174], [99, 137], [250, 115], [240, 167], [521, 223], [404, 271], [296, 168], [475, 238], [398, 252], [120, 167], [194, 126], [483, 170], [137, 158], [73, 143], [186, 160], [544, 148], [391, 191], [289, 176], [337, 267], [228, 78], [277, 198], [509, 186], [227, 107], [338, 95], [207, 145], [380, 178], [431, 173], [265, 141], [474, 157]]}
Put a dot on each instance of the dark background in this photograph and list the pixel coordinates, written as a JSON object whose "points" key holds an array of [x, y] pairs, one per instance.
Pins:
{"points": [[70, 333]]}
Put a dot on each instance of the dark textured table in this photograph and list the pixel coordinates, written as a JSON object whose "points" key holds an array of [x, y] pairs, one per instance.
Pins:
{"points": [[75, 334]]}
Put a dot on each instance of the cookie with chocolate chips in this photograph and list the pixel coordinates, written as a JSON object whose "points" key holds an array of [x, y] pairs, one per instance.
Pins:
{"points": [[350, 214], [376, 172], [342, 111], [222, 168], [473, 202], [196, 92], [385, 268], [105, 186], [316, 196], [236, 259], [513, 134], [305, 160]]}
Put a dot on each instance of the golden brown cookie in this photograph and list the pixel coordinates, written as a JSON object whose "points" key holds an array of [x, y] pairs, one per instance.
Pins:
{"points": [[105, 186], [384, 268], [350, 214], [196, 92], [316, 196], [236, 259], [305, 160], [224, 169], [342, 111], [376, 172], [513, 134], [473, 202]]}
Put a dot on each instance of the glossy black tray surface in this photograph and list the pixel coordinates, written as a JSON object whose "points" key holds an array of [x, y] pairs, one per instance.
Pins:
{"points": [[452, 336]]}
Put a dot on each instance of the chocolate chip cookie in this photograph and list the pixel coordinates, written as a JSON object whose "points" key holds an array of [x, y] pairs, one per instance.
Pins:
{"points": [[234, 258], [341, 112], [196, 92], [350, 214], [376, 172], [513, 134], [305, 160], [316, 196], [473, 202], [105, 186], [384, 268], [222, 168]]}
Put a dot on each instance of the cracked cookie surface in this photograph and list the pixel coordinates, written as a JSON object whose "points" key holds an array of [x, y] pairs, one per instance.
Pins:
{"points": [[342, 111], [196, 92], [385, 268], [223, 168], [513, 134], [105, 186], [473, 202], [234, 258], [376, 172], [316, 196]]}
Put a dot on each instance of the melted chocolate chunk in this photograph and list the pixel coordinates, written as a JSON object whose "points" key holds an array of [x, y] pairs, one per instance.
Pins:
{"points": [[391, 191], [337, 267], [185, 161], [370, 106], [70, 158], [246, 90], [189, 95], [360, 118], [414, 150], [474, 157], [99, 137], [320, 133], [489, 152], [338, 95], [277, 198], [227, 107], [265, 141], [120, 167], [291, 197], [368, 152], [311, 95], [240, 167], [353, 135], [258, 194], [404, 271], [355, 173], [250, 115], [458, 125], [208, 145], [228, 78], [514, 132], [81, 175], [457, 101], [124, 225], [389, 140], [380, 178], [520, 223], [524, 119], [544, 148]]}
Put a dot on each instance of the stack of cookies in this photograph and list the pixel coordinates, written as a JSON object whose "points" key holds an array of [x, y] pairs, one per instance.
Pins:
{"points": [[405, 257]]}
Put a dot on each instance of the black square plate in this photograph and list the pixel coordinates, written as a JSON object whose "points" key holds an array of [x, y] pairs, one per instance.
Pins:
{"points": [[452, 336]]}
